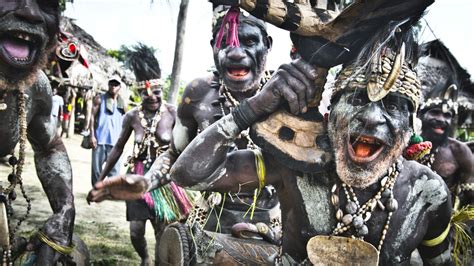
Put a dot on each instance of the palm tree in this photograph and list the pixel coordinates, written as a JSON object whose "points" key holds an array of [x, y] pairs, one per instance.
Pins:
{"points": [[178, 52]]}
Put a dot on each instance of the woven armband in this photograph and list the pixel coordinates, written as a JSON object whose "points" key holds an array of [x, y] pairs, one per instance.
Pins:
{"points": [[243, 115]]}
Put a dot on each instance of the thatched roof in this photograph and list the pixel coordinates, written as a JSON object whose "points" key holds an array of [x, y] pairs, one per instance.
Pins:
{"points": [[101, 65]]}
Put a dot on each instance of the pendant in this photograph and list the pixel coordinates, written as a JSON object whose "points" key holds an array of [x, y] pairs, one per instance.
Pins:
{"points": [[4, 232]]}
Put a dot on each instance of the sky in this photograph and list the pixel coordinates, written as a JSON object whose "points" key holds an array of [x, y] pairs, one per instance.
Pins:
{"points": [[117, 22]]}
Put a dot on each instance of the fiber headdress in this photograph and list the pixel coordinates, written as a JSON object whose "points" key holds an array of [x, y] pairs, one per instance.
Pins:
{"points": [[358, 38], [226, 20], [142, 61]]}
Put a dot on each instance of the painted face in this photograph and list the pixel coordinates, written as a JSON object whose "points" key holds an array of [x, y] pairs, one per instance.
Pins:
{"points": [[151, 101], [436, 124], [367, 136], [28, 31], [114, 87], [241, 68]]}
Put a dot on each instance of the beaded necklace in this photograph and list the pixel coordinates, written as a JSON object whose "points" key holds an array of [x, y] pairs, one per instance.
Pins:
{"points": [[149, 140], [226, 96], [354, 217], [15, 178]]}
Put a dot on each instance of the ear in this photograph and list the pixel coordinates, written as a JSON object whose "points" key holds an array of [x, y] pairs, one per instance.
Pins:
{"points": [[269, 41]]}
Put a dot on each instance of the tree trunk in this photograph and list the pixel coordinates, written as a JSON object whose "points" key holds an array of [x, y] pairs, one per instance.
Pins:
{"points": [[178, 51]]}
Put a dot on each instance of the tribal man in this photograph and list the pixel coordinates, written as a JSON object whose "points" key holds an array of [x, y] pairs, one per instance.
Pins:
{"points": [[240, 73], [442, 79], [28, 31], [371, 193]]}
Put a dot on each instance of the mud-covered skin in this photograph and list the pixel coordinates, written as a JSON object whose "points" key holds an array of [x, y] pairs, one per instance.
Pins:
{"points": [[34, 24], [353, 116], [453, 160], [196, 112], [424, 206], [251, 55], [37, 21], [51, 160]]}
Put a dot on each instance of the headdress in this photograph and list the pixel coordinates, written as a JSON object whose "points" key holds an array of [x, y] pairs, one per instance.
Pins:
{"points": [[442, 78], [378, 52], [387, 71], [225, 21], [141, 59]]}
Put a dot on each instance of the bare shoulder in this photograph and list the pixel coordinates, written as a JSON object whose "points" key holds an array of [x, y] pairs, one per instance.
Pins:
{"points": [[459, 148], [170, 108], [421, 181], [42, 86], [97, 99], [130, 115], [197, 88]]}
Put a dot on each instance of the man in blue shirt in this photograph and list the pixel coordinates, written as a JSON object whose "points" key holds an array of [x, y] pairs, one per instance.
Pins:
{"points": [[106, 124]]}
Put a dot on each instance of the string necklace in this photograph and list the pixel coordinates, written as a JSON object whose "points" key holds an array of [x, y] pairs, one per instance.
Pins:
{"points": [[354, 217], [226, 96], [148, 141], [15, 178]]}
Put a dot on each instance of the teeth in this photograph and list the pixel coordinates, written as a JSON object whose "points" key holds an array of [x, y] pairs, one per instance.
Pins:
{"points": [[23, 36], [21, 59]]}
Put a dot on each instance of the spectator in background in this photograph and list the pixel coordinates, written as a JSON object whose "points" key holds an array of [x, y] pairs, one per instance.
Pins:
{"points": [[57, 110], [105, 127]]}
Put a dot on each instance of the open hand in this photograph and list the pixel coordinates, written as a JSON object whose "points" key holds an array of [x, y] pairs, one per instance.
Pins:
{"points": [[128, 187]]}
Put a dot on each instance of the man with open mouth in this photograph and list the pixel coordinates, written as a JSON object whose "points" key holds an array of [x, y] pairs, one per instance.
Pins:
{"points": [[28, 32], [370, 193], [443, 79], [240, 74]]}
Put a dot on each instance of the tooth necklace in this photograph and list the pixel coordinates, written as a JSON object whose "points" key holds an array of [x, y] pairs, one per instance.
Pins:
{"points": [[355, 217]]}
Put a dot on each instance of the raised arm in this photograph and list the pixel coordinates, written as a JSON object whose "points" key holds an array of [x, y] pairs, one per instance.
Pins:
{"points": [[206, 165]]}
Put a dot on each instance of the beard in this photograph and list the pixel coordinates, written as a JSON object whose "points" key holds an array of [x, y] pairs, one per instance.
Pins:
{"points": [[362, 176], [429, 134], [7, 84]]}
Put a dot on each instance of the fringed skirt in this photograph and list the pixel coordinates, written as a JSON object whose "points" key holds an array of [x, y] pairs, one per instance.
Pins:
{"points": [[168, 203]]}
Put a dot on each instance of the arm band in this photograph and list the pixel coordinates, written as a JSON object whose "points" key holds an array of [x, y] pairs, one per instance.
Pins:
{"points": [[437, 240], [243, 115]]}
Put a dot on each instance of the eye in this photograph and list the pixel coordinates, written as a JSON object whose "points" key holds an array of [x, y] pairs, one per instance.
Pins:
{"points": [[357, 99], [448, 115], [250, 42], [391, 106]]}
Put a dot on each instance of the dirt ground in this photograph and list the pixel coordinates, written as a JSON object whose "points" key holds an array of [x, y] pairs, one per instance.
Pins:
{"points": [[102, 227]]}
